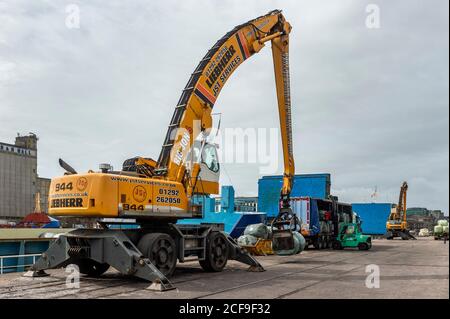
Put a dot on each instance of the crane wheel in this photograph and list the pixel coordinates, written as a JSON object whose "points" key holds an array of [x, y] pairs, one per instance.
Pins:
{"points": [[337, 245], [91, 268], [161, 250], [217, 251]]}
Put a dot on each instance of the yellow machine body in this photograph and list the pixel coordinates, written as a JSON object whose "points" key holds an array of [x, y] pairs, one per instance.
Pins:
{"points": [[115, 196], [395, 223], [397, 220]]}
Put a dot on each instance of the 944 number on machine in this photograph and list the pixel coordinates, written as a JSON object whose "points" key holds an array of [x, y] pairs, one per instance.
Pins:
{"points": [[63, 186], [132, 207]]}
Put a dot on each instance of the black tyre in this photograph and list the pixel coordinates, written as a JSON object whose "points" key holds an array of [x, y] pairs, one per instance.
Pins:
{"points": [[316, 243], [329, 243], [324, 243], [91, 268], [319, 243], [161, 250], [363, 246], [337, 245], [217, 251]]}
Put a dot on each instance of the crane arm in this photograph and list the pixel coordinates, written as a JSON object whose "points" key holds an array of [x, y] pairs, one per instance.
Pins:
{"points": [[399, 212], [280, 53], [192, 115], [401, 207]]}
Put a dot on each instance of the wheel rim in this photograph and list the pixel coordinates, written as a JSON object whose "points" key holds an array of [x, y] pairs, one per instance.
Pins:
{"points": [[219, 251], [163, 255]]}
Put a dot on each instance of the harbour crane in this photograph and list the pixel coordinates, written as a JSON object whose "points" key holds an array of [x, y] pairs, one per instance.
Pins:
{"points": [[157, 193]]}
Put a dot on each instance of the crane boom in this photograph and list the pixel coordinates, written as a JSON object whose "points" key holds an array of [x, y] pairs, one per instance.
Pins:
{"points": [[280, 52], [401, 207], [192, 115]]}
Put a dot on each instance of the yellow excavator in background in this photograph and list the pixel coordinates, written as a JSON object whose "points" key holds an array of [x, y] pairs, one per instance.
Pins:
{"points": [[397, 225], [158, 193]]}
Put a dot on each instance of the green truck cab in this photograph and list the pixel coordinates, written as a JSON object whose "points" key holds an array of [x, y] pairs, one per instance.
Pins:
{"points": [[350, 235]]}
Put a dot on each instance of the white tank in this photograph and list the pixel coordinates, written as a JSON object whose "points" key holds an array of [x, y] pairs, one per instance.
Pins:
{"points": [[442, 222], [438, 229], [424, 232]]}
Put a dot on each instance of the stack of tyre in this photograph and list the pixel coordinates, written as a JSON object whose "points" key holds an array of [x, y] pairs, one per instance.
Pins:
{"points": [[343, 219], [324, 239]]}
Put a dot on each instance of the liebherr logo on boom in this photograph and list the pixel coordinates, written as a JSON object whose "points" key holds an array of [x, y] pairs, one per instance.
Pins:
{"points": [[184, 143], [220, 66]]}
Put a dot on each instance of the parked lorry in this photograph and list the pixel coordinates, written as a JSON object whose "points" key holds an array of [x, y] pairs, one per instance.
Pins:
{"points": [[321, 219]]}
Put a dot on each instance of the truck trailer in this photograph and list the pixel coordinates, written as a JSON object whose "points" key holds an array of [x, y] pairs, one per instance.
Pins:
{"points": [[321, 219]]}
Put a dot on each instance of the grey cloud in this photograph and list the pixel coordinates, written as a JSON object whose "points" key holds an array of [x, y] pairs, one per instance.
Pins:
{"points": [[369, 106]]}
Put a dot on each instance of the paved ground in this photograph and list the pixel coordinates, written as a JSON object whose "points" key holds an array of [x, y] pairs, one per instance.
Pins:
{"points": [[408, 269]]}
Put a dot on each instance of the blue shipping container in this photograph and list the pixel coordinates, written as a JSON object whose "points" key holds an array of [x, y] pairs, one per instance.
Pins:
{"points": [[305, 185], [373, 216]]}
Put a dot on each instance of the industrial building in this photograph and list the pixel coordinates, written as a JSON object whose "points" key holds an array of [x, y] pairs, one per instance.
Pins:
{"points": [[419, 217], [19, 180], [241, 204]]}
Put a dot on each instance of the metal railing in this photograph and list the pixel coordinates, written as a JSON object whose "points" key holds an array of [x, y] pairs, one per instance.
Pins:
{"points": [[3, 267]]}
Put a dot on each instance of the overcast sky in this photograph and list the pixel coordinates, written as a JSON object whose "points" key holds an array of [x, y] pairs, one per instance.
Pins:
{"points": [[370, 105]]}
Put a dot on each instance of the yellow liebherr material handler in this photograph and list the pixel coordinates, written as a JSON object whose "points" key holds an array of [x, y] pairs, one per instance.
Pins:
{"points": [[157, 193], [397, 225]]}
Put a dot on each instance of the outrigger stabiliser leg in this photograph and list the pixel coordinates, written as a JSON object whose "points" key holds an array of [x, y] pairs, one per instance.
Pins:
{"points": [[103, 247], [94, 250], [239, 254]]}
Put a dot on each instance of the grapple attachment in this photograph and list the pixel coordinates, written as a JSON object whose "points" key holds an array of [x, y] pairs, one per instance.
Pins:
{"points": [[282, 227]]}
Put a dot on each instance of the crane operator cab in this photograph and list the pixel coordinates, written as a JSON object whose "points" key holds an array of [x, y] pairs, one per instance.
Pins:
{"points": [[205, 153]]}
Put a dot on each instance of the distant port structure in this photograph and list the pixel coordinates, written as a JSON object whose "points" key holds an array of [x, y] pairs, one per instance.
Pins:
{"points": [[19, 179]]}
